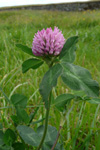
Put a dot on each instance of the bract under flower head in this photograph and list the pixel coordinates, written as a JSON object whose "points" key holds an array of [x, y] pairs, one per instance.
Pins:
{"points": [[48, 42]]}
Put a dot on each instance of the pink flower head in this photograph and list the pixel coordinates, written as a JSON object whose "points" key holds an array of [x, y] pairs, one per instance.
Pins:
{"points": [[48, 42]]}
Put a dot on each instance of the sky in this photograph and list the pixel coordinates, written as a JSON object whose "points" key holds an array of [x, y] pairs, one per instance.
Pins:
{"points": [[4, 3]]}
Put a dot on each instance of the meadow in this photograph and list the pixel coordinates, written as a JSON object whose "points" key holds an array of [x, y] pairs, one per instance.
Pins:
{"points": [[81, 129]]}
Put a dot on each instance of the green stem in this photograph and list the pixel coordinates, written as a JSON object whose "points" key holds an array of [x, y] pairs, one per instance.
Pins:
{"points": [[46, 123]]}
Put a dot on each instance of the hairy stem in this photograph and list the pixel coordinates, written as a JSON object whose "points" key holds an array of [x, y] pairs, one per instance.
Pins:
{"points": [[46, 123]]}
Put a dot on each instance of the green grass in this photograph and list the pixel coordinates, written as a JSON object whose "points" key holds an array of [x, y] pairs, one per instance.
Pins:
{"points": [[82, 121]]}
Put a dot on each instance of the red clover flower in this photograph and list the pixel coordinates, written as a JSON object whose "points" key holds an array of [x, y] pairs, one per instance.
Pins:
{"points": [[48, 42]]}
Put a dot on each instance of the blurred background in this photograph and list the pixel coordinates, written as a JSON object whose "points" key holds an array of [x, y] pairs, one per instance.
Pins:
{"points": [[29, 2]]}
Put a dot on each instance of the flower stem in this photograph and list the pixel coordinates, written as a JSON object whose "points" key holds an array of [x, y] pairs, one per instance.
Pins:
{"points": [[46, 123]]}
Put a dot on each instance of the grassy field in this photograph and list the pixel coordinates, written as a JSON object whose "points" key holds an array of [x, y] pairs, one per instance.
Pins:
{"points": [[83, 119]]}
